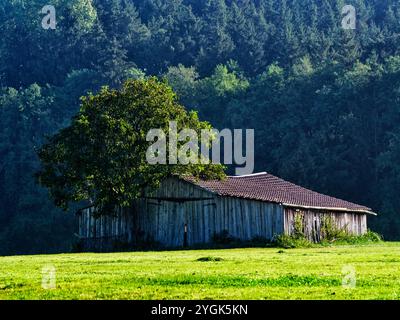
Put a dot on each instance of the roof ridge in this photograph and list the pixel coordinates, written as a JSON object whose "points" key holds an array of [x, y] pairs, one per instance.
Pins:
{"points": [[249, 175]]}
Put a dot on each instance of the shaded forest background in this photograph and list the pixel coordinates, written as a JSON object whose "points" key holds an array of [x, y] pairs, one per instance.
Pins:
{"points": [[324, 101]]}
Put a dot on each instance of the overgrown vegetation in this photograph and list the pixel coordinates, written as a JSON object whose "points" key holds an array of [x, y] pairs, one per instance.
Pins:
{"points": [[289, 241], [298, 226], [330, 234], [368, 237], [340, 238]]}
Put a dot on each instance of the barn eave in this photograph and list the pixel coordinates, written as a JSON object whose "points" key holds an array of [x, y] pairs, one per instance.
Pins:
{"points": [[329, 208]]}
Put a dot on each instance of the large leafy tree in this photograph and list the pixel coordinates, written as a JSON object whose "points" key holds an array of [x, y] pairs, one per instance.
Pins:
{"points": [[101, 156]]}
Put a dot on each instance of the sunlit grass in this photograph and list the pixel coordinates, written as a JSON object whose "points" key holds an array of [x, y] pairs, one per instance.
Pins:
{"points": [[312, 273]]}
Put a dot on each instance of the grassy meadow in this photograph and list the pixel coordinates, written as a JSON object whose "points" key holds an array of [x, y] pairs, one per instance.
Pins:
{"points": [[253, 273]]}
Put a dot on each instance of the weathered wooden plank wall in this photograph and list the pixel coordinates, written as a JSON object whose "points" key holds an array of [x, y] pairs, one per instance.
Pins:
{"points": [[161, 217], [165, 212], [105, 228], [355, 223]]}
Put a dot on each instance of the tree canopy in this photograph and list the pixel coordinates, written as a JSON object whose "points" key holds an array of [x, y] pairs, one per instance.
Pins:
{"points": [[101, 156]]}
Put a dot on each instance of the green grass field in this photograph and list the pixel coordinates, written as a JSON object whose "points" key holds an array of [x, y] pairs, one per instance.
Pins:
{"points": [[271, 273]]}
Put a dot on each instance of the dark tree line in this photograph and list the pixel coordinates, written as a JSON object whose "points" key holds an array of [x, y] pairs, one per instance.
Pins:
{"points": [[324, 101]]}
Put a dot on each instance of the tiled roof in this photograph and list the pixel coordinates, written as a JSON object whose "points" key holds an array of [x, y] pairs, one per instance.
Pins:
{"points": [[266, 187]]}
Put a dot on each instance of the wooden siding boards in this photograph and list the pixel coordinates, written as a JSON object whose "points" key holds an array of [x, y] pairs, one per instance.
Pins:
{"points": [[161, 215], [355, 223]]}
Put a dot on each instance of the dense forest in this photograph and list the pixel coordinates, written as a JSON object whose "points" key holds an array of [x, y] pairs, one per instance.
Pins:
{"points": [[324, 101]]}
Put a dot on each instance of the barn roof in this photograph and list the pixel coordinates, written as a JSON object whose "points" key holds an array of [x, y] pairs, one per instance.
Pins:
{"points": [[266, 187]]}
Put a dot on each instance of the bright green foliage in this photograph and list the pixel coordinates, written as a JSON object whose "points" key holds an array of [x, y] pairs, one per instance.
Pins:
{"points": [[292, 241], [101, 156], [298, 228], [331, 235], [330, 231]]}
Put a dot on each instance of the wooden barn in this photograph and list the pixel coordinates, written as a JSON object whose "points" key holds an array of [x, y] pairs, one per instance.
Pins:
{"points": [[186, 212]]}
